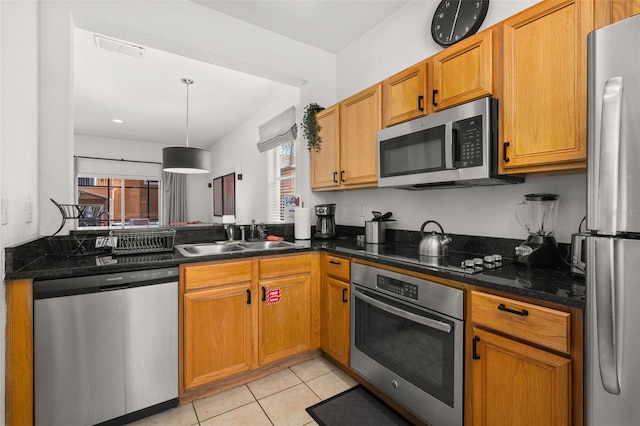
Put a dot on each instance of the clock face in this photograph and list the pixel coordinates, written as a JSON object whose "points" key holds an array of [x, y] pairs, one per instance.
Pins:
{"points": [[455, 20]]}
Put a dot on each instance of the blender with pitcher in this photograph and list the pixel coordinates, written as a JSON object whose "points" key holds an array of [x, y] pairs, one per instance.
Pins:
{"points": [[541, 248]]}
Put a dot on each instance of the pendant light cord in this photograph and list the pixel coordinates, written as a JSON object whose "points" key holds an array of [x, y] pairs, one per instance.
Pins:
{"points": [[188, 82]]}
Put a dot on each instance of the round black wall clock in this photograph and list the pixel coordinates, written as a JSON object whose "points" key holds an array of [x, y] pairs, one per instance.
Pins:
{"points": [[455, 20]]}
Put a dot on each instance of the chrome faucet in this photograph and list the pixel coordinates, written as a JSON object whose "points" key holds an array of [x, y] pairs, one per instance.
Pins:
{"points": [[229, 228]]}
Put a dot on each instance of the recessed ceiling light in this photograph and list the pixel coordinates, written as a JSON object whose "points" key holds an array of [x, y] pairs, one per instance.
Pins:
{"points": [[117, 120]]}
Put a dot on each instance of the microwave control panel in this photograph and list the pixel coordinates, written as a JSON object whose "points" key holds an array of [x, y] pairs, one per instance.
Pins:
{"points": [[469, 142], [397, 287]]}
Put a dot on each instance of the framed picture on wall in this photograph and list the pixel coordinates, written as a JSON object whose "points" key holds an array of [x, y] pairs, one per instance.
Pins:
{"points": [[229, 193], [218, 209], [224, 195]]}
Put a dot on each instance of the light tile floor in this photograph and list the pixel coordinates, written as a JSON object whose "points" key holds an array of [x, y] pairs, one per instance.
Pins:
{"points": [[277, 399]]}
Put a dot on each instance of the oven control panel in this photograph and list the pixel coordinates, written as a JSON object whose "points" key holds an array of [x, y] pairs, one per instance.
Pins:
{"points": [[397, 287]]}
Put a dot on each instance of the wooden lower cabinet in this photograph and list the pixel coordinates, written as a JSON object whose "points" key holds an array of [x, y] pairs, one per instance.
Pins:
{"points": [[525, 362], [239, 315], [285, 317], [217, 333], [518, 384], [335, 310], [336, 319]]}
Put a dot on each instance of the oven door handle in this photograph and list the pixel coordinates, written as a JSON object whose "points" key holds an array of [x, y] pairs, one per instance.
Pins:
{"points": [[438, 325]]}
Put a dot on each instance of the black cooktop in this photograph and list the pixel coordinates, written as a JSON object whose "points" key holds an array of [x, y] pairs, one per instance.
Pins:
{"points": [[456, 261]]}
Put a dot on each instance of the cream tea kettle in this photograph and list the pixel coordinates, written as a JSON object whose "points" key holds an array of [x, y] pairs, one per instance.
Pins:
{"points": [[434, 244]]}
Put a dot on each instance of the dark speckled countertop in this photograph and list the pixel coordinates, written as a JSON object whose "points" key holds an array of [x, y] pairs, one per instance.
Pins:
{"points": [[555, 285]]}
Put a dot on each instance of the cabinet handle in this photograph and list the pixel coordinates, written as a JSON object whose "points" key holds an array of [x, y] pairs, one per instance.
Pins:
{"points": [[341, 175], [335, 177], [335, 262], [433, 97], [264, 294], [344, 293], [420, 107], [522, 313], [504, 151], [248, 297], [476, 339]]}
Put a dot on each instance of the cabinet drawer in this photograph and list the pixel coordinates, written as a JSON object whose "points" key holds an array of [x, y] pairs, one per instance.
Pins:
{"points": [[213, 274], [536, 324], [285, 265], [337, 267]]}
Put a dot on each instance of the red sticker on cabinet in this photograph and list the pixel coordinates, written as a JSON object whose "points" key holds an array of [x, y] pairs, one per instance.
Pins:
{"points": [[273, 296]]}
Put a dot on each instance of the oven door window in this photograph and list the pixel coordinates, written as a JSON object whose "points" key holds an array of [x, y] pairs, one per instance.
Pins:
{"points": [[418, 152], [421, 354]]}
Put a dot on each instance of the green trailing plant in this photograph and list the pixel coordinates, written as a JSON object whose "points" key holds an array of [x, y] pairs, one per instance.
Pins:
{"points": [[310, 126]]}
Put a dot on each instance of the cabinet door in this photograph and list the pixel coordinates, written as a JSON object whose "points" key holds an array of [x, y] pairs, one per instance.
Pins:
{"points": [[403, 95], [360, 120], [543, 107], [463, 72], [336, 320], [517, 384], [285, 317], [217, 333], [325, 164]]}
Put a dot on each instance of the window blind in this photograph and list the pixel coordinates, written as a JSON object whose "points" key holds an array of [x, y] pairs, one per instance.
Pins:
{"points": [[113, 168], [279, 130]]}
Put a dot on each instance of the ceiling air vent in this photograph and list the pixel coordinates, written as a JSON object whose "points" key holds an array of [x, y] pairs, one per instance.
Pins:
{"points": [[119, 46]]}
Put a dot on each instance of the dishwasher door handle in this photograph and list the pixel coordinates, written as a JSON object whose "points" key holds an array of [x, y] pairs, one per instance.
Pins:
{"points": [[114, 287]]}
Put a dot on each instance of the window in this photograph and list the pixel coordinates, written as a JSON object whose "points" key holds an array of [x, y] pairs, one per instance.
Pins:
{"points": [[126, 201], [281, 166]]}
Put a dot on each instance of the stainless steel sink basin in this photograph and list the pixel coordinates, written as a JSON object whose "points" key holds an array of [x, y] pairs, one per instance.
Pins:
{"points": [[206, 249], [267, 245], [222, 247]]}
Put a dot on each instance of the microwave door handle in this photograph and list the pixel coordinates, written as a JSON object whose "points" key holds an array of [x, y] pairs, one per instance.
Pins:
{"points": [[438, 325], [448, 146], [609, 158], [455, 146]]}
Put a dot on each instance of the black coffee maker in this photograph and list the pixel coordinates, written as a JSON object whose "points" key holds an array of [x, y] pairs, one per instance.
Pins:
{"points": [[326, 224]]}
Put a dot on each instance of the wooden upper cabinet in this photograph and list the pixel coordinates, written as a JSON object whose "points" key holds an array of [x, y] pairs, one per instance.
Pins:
{"points": [[403, 95], [609, 12], [325, 163], [543, 104], [360, 120], [463, 72]]}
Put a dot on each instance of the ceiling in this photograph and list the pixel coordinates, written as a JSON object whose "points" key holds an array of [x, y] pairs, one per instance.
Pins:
{"points": [[147, 94]]}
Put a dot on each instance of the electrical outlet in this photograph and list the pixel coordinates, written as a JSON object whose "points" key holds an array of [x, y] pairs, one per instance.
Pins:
{"points": [[5, 211]]}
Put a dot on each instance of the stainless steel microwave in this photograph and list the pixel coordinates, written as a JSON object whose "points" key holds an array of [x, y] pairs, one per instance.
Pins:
{"points": [[454, 147]]}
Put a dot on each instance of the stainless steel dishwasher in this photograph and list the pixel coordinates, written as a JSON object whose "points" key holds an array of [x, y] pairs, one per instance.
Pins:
{"points": [[105, 347]]}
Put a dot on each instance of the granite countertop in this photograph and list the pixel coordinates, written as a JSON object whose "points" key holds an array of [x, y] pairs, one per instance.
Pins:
{"points": [[555, 285]]}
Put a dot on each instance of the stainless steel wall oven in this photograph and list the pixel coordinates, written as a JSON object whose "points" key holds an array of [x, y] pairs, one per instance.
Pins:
{"points": [[407, 340]]}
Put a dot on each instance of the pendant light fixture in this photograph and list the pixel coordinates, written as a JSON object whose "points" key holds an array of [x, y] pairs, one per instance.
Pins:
{"points": [[185, 159]]}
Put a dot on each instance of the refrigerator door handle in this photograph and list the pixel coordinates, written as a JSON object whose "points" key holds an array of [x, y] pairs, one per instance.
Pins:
{"points": [[609, 157], [602, 267]]}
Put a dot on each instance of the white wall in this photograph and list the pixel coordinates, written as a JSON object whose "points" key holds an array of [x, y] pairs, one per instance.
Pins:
{"points": [[18, 134], [399, 42], [177, 26], [237, 152]]}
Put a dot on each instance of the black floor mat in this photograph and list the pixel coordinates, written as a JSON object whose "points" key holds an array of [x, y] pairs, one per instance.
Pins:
{"points": [[356, 406]]}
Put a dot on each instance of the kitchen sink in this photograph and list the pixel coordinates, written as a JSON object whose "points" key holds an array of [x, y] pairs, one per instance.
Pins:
{"points": [[207, 249], [223, 247], [267, 245]]}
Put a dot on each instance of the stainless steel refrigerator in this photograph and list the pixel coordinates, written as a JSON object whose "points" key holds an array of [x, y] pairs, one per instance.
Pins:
{"points": [[612, 340]]}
